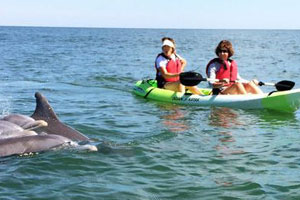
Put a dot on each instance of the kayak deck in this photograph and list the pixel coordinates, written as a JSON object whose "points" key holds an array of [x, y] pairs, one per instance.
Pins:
{"points": [[284, 101]]}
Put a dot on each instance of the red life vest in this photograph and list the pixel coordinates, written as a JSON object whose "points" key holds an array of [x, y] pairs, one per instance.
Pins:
{"points": [[226, 71], [172, 67]]}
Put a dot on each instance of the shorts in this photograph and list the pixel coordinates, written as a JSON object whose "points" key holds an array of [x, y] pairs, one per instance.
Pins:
{"points": [[160, 81], [216, 91]]}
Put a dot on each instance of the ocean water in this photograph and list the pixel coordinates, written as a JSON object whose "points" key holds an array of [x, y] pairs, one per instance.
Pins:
{"points": [[148, 150]]}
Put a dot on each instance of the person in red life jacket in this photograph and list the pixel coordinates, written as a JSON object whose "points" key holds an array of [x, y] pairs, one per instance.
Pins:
{"points": [[226, 71], [168, 66]]}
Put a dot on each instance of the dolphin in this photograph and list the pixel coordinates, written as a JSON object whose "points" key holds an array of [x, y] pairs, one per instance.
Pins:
{"points": [[8, 130], [38, 143], [17, 136], [44, 111], [16, 125], [24, 121], [29, 144]]}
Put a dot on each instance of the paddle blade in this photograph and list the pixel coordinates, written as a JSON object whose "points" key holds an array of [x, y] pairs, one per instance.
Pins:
{"points": [[190, 78], [284, 85]]}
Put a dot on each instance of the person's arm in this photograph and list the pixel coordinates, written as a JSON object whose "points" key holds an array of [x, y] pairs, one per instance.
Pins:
{"points": [[183, 63], [212, 70], [239, 78], [162, 63], [166, 74]]}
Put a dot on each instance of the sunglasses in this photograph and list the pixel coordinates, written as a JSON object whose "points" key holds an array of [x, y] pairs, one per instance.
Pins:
{"points": [[223, 51]]}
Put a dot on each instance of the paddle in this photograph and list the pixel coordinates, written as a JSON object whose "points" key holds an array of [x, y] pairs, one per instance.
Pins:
{"points": [[281, 85], [194, 78]]}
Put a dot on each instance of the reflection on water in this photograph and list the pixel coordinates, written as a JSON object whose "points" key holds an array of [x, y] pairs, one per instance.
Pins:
{"points": [[271, 118], [231, 122], [235, 139], [224, 117], [226, 120], [172, 118], [234, 118]]}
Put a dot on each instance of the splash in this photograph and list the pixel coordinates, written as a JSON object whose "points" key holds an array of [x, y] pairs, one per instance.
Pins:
{"points": [[5, 105]]}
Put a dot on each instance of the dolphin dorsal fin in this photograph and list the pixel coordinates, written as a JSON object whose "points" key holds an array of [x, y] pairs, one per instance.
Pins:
{"points": [[43, 110]]}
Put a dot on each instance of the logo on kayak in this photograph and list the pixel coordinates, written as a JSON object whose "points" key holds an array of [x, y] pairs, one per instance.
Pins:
{"points": [[185, 98], [138, 90]]}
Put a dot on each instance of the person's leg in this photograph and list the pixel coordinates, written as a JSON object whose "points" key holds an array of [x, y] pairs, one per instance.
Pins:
{"points": [[237, 88], [252, 88], [175, 86], [194, 90]]}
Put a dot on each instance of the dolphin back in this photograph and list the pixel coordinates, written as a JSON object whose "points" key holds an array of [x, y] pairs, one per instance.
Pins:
{"points": [[44, 111]]}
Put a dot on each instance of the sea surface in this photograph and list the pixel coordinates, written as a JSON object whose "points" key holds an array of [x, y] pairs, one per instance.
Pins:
{"points": [[148, 150]]}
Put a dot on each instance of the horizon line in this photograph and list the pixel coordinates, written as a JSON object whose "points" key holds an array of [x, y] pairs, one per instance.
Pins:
{"points": [[168, 28]]}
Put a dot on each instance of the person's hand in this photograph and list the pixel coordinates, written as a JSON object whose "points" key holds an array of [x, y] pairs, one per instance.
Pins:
{"points": [[225, 80], [218, 85], [255, 81]]}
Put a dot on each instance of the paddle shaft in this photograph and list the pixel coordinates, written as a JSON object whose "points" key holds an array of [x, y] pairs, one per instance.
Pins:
{"points": [[260, 83], [194, 78], [237, 81]]}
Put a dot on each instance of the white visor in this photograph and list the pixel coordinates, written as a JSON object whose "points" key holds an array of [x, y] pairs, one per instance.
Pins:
{"points": [[168, 43]]}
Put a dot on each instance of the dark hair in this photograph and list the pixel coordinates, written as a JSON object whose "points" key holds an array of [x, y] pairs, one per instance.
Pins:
{"points": [[225, 45]]}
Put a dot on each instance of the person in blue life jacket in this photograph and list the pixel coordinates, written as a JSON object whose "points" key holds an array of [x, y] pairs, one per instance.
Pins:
{"points": [[168, 67], [226, 71]]}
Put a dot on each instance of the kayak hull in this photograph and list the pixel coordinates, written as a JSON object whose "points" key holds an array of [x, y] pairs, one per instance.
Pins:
{"points": [[284, 101]]}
